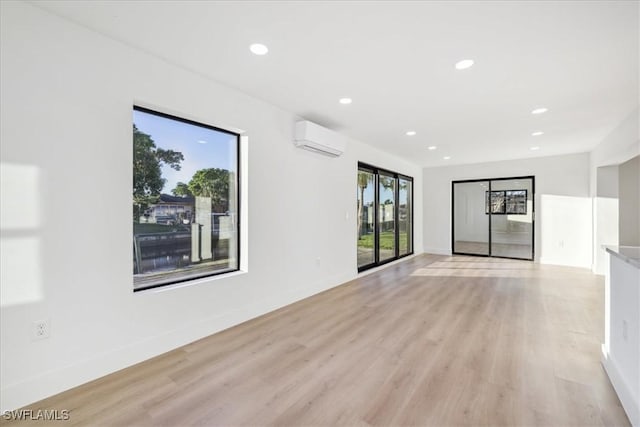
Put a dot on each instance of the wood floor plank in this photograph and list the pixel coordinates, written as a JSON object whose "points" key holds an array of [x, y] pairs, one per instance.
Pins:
{"points": [[432, 340]]}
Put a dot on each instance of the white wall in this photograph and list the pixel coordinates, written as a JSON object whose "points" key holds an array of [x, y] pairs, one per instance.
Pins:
{"points": [[605, 215], [67, 95], [565, 230], [621, 349], [561, 176], [622, 144], [629, 202]]}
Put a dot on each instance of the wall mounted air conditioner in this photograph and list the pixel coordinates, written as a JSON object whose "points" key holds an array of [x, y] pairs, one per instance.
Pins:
{"points": [[313, 137]]}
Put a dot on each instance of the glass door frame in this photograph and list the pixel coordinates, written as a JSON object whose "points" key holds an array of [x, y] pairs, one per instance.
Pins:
{"points": [[490, 180], [370, 169], [396, 215]]}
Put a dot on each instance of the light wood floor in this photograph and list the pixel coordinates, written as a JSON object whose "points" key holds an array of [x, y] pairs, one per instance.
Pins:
{"points": [[432, 340], [509, 250]]}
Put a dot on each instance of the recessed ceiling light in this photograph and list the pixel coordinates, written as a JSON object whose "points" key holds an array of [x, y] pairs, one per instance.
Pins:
{"points": [[432, 147], [446, 157], [537, 133], [411, 132], [259, 49], [345, 101], [534, 148], [539, 110], [202, 141], [464, 64]]}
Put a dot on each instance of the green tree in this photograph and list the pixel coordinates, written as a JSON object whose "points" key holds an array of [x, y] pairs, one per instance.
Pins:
{"points": [[387, 182], [147, 172], [363, 181], [182, 190], [214, 183]]}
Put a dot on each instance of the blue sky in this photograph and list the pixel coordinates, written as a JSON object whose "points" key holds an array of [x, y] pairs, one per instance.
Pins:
{"points": [[202, 147], [385, 194]]}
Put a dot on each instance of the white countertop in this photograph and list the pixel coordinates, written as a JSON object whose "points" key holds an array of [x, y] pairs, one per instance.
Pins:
{"points": [[629, 254]]}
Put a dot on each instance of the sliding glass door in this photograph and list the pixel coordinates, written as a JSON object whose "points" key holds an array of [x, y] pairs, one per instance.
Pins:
{"points": [[493, 217], [405, 216], [512, 228], [385, 216], [470, 220], [366, 216]]}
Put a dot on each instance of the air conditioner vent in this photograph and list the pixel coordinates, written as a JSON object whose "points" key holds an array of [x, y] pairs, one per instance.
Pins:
{"points": [[316, 138]]}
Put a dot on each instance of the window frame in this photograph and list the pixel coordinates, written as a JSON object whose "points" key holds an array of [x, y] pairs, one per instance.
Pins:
{"points": [[489, 240], [410, 240], [238, 182], [376, 171]]}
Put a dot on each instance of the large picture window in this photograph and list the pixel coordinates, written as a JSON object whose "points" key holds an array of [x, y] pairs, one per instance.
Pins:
{"points": [[185, 200], [385, 216]]}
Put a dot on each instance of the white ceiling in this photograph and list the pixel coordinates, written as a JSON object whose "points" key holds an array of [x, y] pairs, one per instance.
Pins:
{"points": [[396, 60]]}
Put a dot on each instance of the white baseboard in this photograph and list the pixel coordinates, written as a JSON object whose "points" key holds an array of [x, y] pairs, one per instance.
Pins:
{"points": [[630, 403], [56, 381], [437, 251], [544, 260], [50, 383]]}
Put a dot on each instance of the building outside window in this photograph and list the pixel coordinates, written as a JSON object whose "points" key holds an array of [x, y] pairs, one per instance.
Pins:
{"points": [[185, 199]]}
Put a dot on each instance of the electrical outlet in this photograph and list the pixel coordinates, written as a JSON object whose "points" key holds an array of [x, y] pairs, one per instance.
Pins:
{"points": [[40, 330], [625, 328]]}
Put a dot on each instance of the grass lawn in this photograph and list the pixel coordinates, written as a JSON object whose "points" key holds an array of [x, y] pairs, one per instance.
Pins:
{"points": [[386, 240]]}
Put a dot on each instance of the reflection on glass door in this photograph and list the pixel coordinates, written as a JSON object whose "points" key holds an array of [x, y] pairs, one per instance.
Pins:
{"points": [[386, 216], [512, 227], [405, 210], [494, 217], [366, 217], [470, 218]]}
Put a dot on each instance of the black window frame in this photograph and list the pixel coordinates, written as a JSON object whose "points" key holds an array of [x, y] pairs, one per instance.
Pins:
{"points": [[238, 227], [488, 212], [376, 171]]}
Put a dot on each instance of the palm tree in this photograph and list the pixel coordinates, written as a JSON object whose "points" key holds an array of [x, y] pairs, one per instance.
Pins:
{"points": [[363, 182]]}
